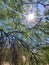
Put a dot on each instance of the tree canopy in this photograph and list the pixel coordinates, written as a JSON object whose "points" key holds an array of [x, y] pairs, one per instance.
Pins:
{"points": [[24, 41]]}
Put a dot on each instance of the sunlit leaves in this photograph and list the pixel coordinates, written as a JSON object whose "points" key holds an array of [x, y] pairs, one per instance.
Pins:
{"points": [[25, 40]]}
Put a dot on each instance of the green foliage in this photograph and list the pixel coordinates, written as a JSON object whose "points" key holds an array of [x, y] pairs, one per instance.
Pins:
{"points": [[19, 40]]}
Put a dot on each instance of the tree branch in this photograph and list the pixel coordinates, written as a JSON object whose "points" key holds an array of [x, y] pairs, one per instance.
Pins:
{"points": [[15, 31], [38, 2], [35, 24], [40, 45], [27, 47]]}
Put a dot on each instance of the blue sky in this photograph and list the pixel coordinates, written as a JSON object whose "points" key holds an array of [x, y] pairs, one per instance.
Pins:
{"points": [[41, 8]]}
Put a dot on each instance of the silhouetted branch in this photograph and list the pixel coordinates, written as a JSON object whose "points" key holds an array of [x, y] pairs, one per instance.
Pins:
{"points": [[38, 2], [44, 4], [27, 47], [35, 24], [7, 34], [45, 32], [41, 45]]}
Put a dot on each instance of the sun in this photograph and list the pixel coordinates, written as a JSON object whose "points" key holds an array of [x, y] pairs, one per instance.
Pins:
{"points": [[30, 17]]}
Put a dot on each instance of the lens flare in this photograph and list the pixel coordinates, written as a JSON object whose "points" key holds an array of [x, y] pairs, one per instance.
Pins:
{"points": [[30, 17]]}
